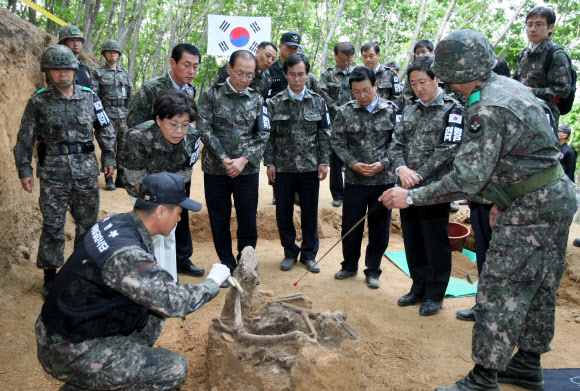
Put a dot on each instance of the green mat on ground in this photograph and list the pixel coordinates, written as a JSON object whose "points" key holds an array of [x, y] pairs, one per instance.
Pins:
{"points": [[457, 287]]}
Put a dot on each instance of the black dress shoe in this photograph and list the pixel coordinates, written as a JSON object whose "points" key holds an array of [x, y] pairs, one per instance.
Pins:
{"points": [[311, 265], [576, 242], [468, 314], [373, 281], [430, 307], [191, 270], [409, 299], [344, 274]]}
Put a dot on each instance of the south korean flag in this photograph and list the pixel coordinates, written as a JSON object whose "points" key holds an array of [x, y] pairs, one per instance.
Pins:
{"points": [[454, 130], [226, 34]]}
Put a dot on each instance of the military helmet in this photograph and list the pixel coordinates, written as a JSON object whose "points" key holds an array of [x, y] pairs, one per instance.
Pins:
{"points": [[111, 45], [68, 32], [58, 57], [463, 56]]}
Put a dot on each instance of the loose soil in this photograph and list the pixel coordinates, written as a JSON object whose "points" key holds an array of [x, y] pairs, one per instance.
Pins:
{"points": [[402, 350]]}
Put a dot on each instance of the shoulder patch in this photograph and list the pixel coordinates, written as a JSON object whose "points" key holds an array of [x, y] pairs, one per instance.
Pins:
{"points": [[87, 89], [475, 97], [475, 127], [41, 91]]}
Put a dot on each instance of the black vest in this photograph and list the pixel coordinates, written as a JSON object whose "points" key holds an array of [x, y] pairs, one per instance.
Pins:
{"points": [[80, 306], [279, 82]]}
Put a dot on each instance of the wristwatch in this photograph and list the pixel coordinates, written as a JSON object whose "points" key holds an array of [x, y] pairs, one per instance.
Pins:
{"points": [[409, 199]]}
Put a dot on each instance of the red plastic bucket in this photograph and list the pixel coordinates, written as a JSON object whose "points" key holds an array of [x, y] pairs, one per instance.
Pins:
{"points": [[458, 233]]}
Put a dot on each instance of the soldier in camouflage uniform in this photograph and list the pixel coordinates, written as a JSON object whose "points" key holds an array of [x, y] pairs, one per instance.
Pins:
{"points": [[266, 55], [336, 92], [510, 156], [98, 325], [169, 143], [530, 68], [71, 37], [184, 62], [424, 145], [297, 156], [234, 128], [361, 137], [114, 86], [423, 47], [62, 118], [387, 80]]}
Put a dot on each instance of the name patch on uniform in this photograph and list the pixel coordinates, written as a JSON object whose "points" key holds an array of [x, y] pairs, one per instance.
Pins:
{"points": [[454, 130], [193, 157], [98, 238], [475, 127], [263, 121]]}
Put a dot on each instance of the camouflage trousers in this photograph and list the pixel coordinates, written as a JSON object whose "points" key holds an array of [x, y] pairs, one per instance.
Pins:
{"points": [[516, 295], [112, 363], [121, 132], [82, 196]]}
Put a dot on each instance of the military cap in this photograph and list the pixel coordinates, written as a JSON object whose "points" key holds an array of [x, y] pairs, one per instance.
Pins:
{"points": [[68, 32], [111, 45], [167, 188], [58, 57], [564, 128], [290, 39], [463, 56]]}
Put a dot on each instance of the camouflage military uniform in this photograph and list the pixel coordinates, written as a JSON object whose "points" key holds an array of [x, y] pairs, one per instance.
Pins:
{"points": [[298, 144], [68, 171], [388, 83], [261, 83], [142, 102], [422, 143], [150, 153], [127, 362], [334, 88], [546, 86], [508, 139], [227, 125], [360, 136], [115, 88]]}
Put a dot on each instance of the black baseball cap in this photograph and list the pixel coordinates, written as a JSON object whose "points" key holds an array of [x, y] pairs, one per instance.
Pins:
{"points": [[564, 128], [290, 38], [167, 188]]}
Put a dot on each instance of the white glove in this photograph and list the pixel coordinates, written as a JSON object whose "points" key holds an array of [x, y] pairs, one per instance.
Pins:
{"points": [[219, 273]]}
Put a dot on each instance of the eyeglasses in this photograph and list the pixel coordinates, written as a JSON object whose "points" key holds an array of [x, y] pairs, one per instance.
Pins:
{"points": [[538, 25], [365, 91], [175, 126], [347, 60], [241, 76]]}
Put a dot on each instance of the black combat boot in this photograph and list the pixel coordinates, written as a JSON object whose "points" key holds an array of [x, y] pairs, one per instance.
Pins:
{"points": [[49, 275], [110, 184], [120, 181], [524, 370], [478, 379]]}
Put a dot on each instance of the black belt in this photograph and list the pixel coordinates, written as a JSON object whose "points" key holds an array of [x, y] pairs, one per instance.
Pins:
{"points": [[114, 102], [68, 149]]}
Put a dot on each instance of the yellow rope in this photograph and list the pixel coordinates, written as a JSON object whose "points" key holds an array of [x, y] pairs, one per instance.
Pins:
{"points": [[50, 16]]}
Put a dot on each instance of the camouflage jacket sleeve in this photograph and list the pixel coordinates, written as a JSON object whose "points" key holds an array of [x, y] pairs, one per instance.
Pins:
{"points": [[134, 273], [25, 140], [270, 150], [324, 134], [398, 144], [474, 164], [339, 142], [558, 77], [255, 148], [135, 165], [104, 134], [205, 123], [95, 82], [323, 91]]}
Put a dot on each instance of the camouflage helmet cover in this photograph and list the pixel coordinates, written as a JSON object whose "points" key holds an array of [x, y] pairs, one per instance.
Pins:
{"points": [[68, 32], [58, 57], [463, 56], [111, 45]]}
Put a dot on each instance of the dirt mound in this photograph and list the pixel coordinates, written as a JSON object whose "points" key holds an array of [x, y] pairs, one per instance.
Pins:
{"points": [[21, 46]]}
